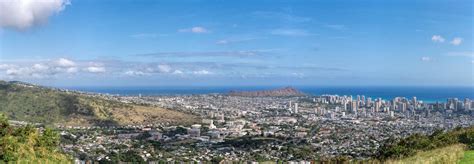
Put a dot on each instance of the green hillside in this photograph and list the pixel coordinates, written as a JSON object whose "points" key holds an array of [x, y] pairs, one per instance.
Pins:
{"points": [[468, 157], [449, 154], [34, 104], [439, 147]]}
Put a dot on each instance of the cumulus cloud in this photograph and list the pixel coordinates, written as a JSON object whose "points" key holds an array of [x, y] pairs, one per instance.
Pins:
{"points": [[23, 14], [456, 41], [178, 72], [35, 71], [5, 66], [196, 30], [62, 62], [72, 70], [136, 73], [425, 59], [437, 38], [163, 68], [202, 72], [95, 69], [42, 69], [298, 75]]}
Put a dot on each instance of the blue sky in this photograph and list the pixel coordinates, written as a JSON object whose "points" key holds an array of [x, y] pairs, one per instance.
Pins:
{"points": [[162, 43]]}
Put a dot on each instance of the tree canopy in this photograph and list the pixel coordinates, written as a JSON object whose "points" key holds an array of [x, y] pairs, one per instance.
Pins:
{"points": [[29, 144]]}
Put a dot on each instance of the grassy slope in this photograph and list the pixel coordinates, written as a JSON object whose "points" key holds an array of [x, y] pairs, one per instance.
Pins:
{"points": [[468, 157], [48, 106], [449, 154]]}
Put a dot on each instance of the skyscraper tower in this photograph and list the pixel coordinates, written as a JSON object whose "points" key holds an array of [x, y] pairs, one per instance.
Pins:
{"points": [[296, 108], [377, 106], [415, 103], [354, 107]]}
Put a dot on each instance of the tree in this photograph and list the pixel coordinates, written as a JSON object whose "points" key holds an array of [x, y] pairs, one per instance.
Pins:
{"points": [[24, 143]]}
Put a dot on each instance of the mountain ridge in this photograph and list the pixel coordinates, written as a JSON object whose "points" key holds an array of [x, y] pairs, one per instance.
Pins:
{"points": [[37, 104]]}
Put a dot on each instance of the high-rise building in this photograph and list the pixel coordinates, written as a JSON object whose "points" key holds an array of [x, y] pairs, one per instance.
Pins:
{"points": [[296, 108], [354, 107], [415, 103], [369, 101], [377, 106], [358, 98], [467, 104], [363, 100]]}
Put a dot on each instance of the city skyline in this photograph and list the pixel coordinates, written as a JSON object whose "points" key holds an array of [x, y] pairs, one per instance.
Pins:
{"points": [[164, 43]]}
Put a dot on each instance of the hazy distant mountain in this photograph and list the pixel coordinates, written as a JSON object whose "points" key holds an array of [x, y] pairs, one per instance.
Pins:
{"points": [[26, 102], [287, 91]]}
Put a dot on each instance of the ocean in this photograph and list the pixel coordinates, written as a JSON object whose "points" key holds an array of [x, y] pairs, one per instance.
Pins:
{"points": [[427, 94]]}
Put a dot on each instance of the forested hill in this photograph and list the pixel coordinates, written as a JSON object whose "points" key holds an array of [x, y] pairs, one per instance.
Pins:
{"points": [[35, 104]]}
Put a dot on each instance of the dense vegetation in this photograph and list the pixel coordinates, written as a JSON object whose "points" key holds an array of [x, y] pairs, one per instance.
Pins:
{"points": [[415, 143], [34, 104], [26, 144]]}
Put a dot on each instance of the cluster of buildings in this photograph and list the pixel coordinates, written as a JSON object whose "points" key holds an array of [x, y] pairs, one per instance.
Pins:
{"points": [[272, 128]]}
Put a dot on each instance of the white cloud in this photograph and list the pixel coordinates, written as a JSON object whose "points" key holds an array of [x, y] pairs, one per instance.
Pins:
{"points": [[298, 75], [196, 29], [23, 14], [178, 72], [437, 38], [425, 58], [48, 68], [199, 30], [136, 73], [62, 62], [163, 68], [202, 72], [40, 67], [72, 70], [5, 66], [14, 71], [95, 69], [36, 71], [456, 41]]}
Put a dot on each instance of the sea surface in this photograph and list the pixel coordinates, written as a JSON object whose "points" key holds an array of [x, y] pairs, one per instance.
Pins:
{"points": [[427, 94]]}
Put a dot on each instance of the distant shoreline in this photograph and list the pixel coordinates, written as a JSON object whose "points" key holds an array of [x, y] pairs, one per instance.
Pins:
{"points": [[426, 94]]}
